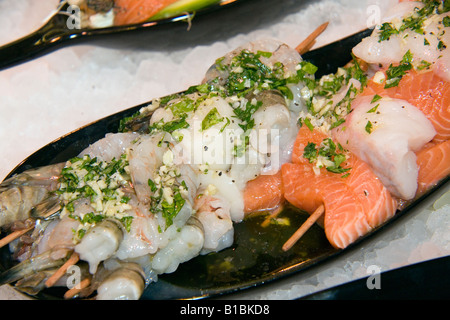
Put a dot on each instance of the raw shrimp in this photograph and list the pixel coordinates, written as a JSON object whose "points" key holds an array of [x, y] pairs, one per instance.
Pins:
{"points": [[34, 283], [112, 146], [36, 264], [182, 246], [97, 239], [100, 243], [215, 154], [20, 193], [145, 157], [275, 130], [143, 236], [214, 214], [58, 237], [46, 176], [53, 243], [280, 52], [123, 281], [209, 135]]}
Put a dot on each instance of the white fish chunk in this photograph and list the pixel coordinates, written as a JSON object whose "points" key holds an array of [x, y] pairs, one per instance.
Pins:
{"points": [[385, 134]]}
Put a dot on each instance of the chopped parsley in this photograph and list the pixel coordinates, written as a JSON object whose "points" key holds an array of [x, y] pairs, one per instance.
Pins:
{"points": [[100, 182], [319, 96], [310, 152], [386, 31], [307, 122], [76, 177], [415, 21], [245, 114], [170, 126], [423, 65], [212, 118], [446, 21], [375, 98], [374, 109], [181, 107], [167, 203], [369, 127], [395, 73], [241, 145], [328, 155], [152, 185], [166, 196], [247, 71]]}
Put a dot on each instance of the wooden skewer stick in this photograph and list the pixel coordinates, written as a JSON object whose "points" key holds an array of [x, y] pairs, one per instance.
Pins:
{"points": [[311, 39], [304, 227], [74, 291], [13, 236], [275, 212], [61, 271], [18, 233]]}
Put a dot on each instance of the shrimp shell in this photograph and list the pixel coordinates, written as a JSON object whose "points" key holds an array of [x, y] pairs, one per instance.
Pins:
{"points": [[100, 243], [19, 194], [124, 283], [32, 265]]}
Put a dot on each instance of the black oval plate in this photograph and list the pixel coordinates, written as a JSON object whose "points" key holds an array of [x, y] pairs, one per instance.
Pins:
{"points": [[56, 33], [256, 256]]}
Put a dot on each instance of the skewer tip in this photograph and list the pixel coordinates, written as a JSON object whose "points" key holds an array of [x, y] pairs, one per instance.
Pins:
{"points": [[303, 228], [307, 44]]}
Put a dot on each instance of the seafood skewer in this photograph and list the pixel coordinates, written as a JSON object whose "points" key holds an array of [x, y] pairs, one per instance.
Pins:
{"points": [[423, 86], [109, 13], [141, 202], [131, 197]]}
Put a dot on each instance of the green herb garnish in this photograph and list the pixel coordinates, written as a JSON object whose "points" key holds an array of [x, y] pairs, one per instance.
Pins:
{"points": [[374, 109], [329, 152], [245, 114], [395, 73], [213, 117], [386, 31], [170, 126], [369, 127], [376, 98]]}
